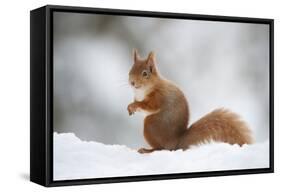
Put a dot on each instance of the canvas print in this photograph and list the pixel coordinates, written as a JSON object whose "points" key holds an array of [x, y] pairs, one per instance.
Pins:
{"points": [[147, 96]]}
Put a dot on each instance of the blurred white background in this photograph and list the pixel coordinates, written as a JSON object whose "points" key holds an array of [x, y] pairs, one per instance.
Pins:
{"points": [[14, 102], [216, 64]]}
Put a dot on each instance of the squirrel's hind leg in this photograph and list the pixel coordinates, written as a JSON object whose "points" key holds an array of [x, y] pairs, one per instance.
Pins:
{"points": [[144, 150]]}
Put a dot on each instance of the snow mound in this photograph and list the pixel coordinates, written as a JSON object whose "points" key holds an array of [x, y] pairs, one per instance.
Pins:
{"points": [[76, 159]]}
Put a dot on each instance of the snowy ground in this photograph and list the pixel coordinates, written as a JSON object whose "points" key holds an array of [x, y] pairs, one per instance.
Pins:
{"points": [[76, 159]]}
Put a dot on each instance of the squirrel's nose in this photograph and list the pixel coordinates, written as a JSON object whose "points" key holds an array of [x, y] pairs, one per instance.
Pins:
{"points": [[132, 83]]}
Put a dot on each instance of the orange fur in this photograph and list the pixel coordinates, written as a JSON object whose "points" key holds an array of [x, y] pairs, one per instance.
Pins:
{"points": [[219, 125], [165, 126]]}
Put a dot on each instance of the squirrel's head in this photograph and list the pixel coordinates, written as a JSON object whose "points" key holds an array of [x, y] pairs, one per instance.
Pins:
{"points": [[143, 72]]}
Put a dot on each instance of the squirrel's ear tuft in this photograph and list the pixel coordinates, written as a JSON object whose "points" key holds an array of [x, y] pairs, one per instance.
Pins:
{"points": [[151, 56], [151, 61], [136, 55]]}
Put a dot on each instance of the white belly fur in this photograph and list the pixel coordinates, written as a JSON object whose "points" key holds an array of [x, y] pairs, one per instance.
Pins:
{"points": [[140, 95], [146, 113]]}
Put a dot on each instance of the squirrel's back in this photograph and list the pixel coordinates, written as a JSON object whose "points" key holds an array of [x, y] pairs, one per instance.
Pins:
{"points": [[219, 125]]}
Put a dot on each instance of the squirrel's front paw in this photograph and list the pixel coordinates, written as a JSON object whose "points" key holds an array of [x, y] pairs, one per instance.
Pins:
{"points": [[132, 108]]}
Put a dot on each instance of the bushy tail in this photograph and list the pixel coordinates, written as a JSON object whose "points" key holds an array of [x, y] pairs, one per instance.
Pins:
{"points": [[219, 125]]}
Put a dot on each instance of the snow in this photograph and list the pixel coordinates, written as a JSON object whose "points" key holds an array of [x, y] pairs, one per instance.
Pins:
{"points": [[76, 159]]}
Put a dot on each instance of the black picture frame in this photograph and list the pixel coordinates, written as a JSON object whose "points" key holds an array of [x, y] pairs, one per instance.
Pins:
{"points": [[41, 94]]}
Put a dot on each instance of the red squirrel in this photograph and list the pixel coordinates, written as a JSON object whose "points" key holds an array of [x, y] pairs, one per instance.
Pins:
{"points": [[167, 113]]}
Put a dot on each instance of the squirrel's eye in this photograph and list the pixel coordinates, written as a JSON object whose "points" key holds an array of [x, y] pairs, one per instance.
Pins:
{"points": [[144, 74]]}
